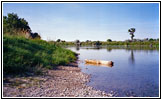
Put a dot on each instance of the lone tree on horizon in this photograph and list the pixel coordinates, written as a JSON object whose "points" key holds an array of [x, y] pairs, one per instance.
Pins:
{"points": [[77, 42], [131, 31]]}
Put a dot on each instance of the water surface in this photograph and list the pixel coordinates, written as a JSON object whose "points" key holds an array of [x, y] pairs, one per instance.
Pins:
{"points": [[135, 71]]}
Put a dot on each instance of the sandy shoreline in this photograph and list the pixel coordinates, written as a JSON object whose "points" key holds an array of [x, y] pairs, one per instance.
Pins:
{"points": [[65, 81]]}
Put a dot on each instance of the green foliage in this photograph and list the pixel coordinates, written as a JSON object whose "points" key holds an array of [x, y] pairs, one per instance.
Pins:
{"points": [[88, 41], [21, 55], [97, 43], [151, 39], [13, 25], [35, 36], [109, 40], [63, 43], [158, 39], [132, 47], [154, 42], [58, 40], [132, 30]]}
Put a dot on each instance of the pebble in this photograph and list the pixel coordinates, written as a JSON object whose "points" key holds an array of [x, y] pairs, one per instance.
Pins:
{"points": [[23, 85], [65, 82]]}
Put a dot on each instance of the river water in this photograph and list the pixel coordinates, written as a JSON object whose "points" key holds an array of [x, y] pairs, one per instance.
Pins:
{"points": [[135, 71]]}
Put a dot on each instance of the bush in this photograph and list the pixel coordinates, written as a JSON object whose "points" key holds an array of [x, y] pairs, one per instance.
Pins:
{"points": [[109, 40]]}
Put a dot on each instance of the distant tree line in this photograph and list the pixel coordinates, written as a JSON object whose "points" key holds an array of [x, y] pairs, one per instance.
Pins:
{"points": [[146, 41]]}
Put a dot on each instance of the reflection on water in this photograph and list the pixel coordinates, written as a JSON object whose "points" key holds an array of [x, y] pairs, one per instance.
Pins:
{"points": [[77, 48], [98, 65], [109, 49], [132, 60], [135, 73]]}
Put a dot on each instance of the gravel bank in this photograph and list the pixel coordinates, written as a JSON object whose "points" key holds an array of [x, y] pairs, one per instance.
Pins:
{"points": [[65, 81]]}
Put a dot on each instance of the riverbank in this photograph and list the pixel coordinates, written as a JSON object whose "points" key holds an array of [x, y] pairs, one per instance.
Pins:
{"points": [[65, 81], [22, 56]]}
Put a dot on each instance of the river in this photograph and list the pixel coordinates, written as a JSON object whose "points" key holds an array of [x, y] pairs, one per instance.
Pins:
{"points": [[135, 71]]}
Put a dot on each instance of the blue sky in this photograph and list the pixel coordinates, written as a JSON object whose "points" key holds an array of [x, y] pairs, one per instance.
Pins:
{"points": [[89, 21]]}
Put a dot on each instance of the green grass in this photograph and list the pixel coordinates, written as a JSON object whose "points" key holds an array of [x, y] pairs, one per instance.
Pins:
{"points": [[22, 56]]}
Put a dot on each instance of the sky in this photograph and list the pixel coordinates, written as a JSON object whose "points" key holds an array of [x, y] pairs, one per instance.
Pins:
{"points": [[89, 21]]}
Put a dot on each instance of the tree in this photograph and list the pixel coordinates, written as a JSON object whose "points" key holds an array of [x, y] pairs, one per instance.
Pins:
{"points": [[58, 40], [13, 25], [77, 41], [109, 40], [87, 41], [97, 43], [35, 36], [151, 39], [131, 31]]}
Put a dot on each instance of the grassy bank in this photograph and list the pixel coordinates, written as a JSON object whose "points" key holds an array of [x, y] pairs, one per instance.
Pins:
{"points": [[24, 56]]}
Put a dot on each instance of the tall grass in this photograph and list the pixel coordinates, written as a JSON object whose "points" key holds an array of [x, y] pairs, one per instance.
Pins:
{"points": [[22, 56]]}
